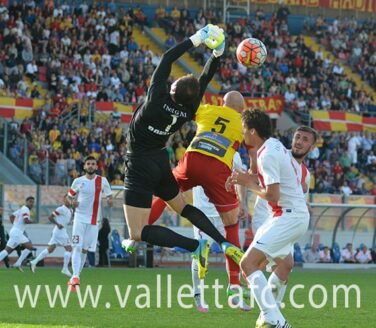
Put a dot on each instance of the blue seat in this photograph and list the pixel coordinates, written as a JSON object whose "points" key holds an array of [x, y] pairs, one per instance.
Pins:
{"points": [[180, 250], [298, 255], [118, 251], [336, 253], [215, 249]]}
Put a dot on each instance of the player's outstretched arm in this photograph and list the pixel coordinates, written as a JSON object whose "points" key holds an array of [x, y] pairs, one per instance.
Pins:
{"points": [[212, 64], [207, 75], [163, 70]]}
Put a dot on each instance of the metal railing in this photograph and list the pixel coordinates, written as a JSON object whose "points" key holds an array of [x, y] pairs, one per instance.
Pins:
{"points": [[356, 222], [18, 148]]}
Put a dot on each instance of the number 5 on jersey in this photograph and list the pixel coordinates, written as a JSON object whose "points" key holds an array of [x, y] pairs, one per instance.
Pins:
{"points": [[220, 122]]}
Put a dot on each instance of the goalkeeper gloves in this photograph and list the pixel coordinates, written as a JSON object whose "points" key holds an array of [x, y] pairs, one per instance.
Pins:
{"points": [[219, 50], [200, 36], [211, 35]]}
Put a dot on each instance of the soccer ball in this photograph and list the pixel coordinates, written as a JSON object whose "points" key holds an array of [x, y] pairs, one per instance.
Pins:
{"points": [[251, 52]]}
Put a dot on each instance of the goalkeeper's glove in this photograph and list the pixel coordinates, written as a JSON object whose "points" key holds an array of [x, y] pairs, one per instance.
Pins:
{"points": [[211, 34], [215, 37], [219, 50], [200, 36]]}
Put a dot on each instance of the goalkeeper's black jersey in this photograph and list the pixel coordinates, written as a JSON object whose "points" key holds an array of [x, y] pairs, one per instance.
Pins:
{"points": [[159, 116]]}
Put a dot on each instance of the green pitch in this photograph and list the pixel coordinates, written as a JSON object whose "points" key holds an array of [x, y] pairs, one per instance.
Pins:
{"points": [[109, 311]]}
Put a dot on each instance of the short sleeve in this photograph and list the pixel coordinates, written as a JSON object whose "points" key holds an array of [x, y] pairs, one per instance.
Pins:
{"points": [[106, 188], [270, 168], [73, 189], [58, 211], [25, 213]]}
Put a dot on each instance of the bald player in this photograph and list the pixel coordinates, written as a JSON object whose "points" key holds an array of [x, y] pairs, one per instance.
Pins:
{"points": [[208, 162]]}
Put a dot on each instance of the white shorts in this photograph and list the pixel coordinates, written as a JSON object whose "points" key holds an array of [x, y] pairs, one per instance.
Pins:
{"points": [[217, 222], [60, 238], [84, 235], [257, 223], [277, 236], [16, 237]]}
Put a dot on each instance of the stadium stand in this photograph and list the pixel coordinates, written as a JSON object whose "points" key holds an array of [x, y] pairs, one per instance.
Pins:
{"points": [[112, 60]]}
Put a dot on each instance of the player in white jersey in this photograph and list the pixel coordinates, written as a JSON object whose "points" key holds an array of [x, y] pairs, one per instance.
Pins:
{"points": [[61, 217], [288, 221], [85, 194], [303, 142], [20, 219], [201, 201]]}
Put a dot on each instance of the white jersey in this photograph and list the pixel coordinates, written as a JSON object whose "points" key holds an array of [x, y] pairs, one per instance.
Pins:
{"points": [[20, 216], [201, 201], [262, 209], [63, 216], [276, 165], [88, 193]]}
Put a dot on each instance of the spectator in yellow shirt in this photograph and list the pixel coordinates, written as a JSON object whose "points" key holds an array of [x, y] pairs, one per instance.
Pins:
{"points": [[57, 144], [118, 133], [117, 181], [83, 130], [53, 134], [94, 154], [175, 14]]}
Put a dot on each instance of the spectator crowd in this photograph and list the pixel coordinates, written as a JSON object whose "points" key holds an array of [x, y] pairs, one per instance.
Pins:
{"points": [[352, 42], [86, 52]]}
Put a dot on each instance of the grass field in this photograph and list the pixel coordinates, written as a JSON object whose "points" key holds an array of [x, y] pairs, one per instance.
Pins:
{"points": [[110, 314]]}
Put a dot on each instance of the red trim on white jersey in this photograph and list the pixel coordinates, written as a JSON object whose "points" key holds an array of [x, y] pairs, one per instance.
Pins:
{"points": [[304, 173], [260, 151], [98, 189], [25, 214], [72, 192], [261, 178], [277, 210]]}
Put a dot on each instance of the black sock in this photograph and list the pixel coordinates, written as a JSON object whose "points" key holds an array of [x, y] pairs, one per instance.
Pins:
{"points": [[200, 220], [165, 237]]}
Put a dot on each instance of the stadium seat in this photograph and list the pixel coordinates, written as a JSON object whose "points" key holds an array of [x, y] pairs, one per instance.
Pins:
{"points": [[179, 250], [216, 250], [307, 247], [118, 252], [336, 253], [298, 255]]}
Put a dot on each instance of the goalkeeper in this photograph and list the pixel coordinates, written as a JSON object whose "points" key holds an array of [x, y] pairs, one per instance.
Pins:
{"points": [[147, 167]]}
